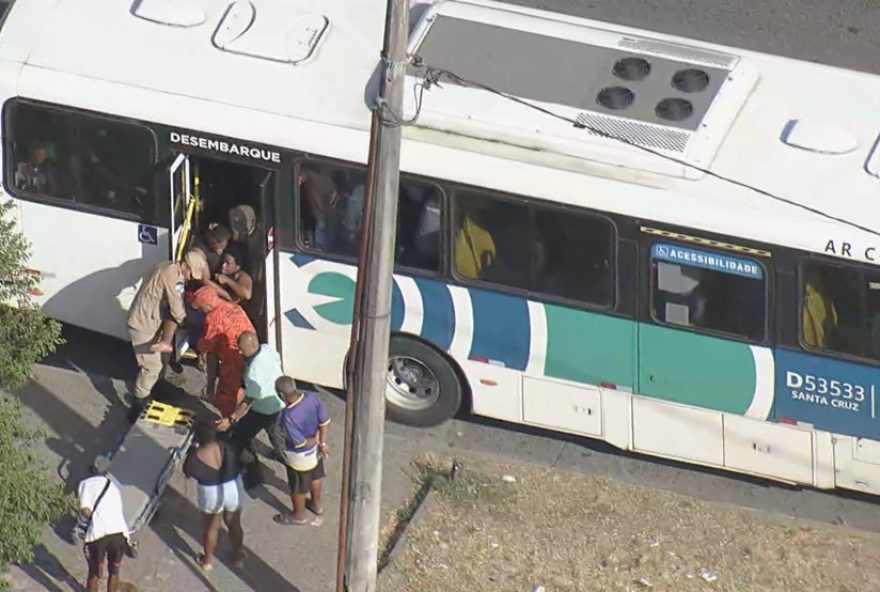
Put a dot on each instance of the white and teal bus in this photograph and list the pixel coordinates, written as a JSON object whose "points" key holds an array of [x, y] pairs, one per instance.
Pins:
{"points": [[664, 244]]}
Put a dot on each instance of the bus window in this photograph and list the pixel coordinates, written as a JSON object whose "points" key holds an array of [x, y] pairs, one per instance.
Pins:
{"points": [[840, 310], [331, 210], [573, 256], [708, 290], [492, 240], [83, 160], [418, 225]]}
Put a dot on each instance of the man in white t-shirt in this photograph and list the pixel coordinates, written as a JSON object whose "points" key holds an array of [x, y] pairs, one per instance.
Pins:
{"points": [[107, 535]]}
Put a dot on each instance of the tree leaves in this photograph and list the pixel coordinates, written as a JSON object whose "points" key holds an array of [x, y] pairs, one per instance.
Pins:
{"points": [[28, 499]]}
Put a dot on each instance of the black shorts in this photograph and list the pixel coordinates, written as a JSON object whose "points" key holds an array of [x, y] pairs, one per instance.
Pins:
{"points": [[110, 548], [301, 481]]}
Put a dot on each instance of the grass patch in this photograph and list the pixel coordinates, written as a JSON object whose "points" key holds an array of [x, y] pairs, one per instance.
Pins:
{"points": [[497, 528], [457, 484], [470, 487]]}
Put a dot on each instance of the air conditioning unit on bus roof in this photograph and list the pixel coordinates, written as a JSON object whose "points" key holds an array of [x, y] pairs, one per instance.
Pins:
{"points": [[629, 96]]}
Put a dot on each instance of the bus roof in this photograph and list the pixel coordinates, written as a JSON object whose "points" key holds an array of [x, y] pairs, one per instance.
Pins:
{"points": [[173, 47], [286, 73]]}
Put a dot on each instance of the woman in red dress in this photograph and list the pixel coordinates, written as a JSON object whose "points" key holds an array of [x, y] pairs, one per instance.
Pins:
{"points": [[224, 322]]}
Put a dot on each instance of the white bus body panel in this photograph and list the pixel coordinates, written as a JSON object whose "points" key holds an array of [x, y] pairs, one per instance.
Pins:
{"points": [[91, 265]]}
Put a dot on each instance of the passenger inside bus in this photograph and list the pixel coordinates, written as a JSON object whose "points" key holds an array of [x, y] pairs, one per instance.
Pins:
{"points": [[237, 282], [331, 212], [89, 161], [104, 176], [230, 194], [708, 299], [38, 174], [819, 316], [474, 246], [418, 226], [332, 207], [213, 242], [319, 200], [840, 309], [250, 238]]}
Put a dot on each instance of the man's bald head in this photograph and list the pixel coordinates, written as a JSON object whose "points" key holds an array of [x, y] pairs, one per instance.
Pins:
{"points": [[248, 344]]}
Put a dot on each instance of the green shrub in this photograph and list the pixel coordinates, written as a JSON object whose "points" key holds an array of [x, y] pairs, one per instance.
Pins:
{"points": [[28, 499]]}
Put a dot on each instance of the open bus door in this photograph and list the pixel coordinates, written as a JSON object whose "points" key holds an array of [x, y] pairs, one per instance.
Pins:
{"points": [[182, 214], [180, 185], [269, 287]]}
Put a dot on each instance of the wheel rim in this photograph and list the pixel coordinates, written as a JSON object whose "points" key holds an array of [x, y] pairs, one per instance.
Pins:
{"points": [[411, 384]]}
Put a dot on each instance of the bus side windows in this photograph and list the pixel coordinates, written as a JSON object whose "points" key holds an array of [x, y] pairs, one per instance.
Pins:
{"points": [[331, 201], [331, 211], [84, 160], [491, 240], [549, 251], [418, 225], [40, 152], [840, 310], [708, 290], [574, 255]]}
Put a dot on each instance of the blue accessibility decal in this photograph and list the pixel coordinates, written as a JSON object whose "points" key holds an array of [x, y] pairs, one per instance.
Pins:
{"points": [[707, 260], [148, 234]]}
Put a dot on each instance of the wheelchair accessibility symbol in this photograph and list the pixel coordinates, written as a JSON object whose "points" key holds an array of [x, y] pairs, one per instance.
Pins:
{"points": [[148, 234]]}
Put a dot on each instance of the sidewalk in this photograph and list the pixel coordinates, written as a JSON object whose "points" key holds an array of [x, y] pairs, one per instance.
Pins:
{"points": [[83, 415]]}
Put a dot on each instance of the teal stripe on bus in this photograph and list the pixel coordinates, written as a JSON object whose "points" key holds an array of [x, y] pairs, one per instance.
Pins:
{"points": [[589, 347]]}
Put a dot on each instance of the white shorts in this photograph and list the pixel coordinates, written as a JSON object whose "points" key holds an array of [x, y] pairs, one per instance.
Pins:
{"points": [[226, 497]]}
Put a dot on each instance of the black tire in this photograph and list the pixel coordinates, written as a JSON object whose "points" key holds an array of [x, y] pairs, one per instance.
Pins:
{"points": [[441, 405]]}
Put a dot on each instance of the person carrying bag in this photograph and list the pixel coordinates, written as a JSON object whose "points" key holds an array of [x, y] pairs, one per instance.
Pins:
{"points": [[101, 525]]}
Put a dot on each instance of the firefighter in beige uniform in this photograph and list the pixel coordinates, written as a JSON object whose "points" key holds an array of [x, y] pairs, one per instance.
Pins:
{"points": [[159, 300]]}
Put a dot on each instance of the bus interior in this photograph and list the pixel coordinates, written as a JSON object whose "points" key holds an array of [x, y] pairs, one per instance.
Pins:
{"points": [[236, 196]]}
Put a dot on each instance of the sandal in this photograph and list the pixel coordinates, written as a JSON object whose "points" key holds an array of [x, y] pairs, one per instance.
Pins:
{"points": [[207, 566], [287, 519], [238, 560], [311, 509]]}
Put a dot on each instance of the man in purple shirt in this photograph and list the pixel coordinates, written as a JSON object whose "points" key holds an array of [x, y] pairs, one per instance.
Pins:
{"points": [[304, 422]]}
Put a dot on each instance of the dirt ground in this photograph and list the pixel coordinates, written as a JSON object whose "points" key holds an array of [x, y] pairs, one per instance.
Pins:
{"points": [[497, 528]]}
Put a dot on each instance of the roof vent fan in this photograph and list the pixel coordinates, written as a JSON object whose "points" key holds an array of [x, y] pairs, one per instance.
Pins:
{"points": [[631, 68], [674, 109], [690, 80], [615, 98]]}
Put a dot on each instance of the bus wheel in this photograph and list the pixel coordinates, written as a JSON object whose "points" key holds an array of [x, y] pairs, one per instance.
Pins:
{"points": [[422, 388]]}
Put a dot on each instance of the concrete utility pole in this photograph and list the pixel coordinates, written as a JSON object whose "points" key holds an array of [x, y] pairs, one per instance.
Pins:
{"points": [[357, 559]]}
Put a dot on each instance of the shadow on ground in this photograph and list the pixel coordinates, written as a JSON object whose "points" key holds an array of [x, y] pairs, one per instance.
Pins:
{"points": [[76, 441]]}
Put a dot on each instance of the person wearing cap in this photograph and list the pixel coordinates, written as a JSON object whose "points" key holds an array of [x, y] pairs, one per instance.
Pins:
{"points": [[106, 538], [247, 233], [157, 309]]}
